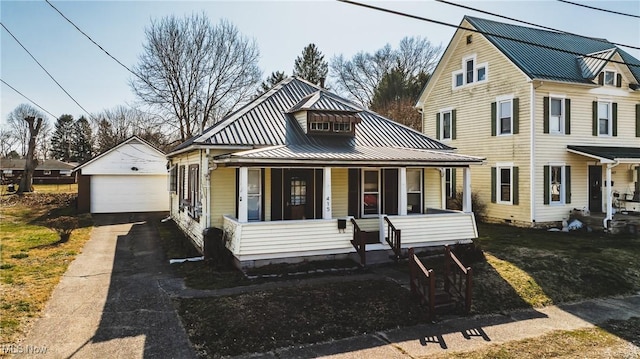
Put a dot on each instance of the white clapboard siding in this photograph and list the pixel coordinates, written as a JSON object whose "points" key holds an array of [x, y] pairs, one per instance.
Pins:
{"points": [[449, 227]]}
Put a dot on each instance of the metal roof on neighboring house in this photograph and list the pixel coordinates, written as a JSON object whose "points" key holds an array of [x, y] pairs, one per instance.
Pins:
{"points": [[48, 164], [546, 61], [267, 121]]}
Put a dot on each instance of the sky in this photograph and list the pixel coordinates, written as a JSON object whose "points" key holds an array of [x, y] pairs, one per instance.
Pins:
{"points": [[281, 29]]}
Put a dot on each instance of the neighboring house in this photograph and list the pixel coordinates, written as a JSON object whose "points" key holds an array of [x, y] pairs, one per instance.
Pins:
{"points": [[131, 177], [559, 130], [284, 175], [47, 171]]}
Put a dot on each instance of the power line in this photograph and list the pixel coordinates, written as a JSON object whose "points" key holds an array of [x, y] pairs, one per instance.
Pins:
{"points": [[599, 9], [533, 24], [45, 70], [101, 48], [28, 99], [416, 17]]}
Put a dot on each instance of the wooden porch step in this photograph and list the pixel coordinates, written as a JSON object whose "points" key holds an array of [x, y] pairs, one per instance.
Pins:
{"points": [[444, 302]]}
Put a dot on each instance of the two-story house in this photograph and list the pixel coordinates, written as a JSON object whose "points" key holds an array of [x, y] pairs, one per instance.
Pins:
{"points": [[556, 115]]}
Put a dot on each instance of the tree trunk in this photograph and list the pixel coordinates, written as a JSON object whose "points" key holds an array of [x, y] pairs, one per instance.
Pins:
{"points": [[26, 182]]}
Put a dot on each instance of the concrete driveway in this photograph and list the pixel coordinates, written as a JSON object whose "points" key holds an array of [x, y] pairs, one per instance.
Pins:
{"points": [[108, 304]]}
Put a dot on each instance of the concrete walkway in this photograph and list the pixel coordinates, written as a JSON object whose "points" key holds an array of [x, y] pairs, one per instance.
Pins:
{"points": [[108, 304]]}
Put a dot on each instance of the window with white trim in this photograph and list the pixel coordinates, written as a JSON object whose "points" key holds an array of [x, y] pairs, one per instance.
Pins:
{"points": [[342, 127], [556, 183], [609, 78], [254, 194], [320, 126], [370, 192], [471, 72], [604, 118], [414, 190], [505, 117], [505, 184], [556, 115]]}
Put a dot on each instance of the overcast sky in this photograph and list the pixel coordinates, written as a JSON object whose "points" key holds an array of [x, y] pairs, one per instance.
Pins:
{"points": [[280, 29]]}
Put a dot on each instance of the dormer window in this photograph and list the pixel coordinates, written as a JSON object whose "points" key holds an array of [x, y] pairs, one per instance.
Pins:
{"points": [[332, 122], [320, 126], [609, 78], [342, 127]]}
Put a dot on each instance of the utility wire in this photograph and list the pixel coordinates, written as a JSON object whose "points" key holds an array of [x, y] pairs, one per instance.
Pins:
{"points": [[45, 70], [416, 17], [532, 24], [600, 9], [30, 100], [101, 48]]}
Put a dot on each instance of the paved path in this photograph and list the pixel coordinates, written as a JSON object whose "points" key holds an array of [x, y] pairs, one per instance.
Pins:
{"points": [[108, 304]]}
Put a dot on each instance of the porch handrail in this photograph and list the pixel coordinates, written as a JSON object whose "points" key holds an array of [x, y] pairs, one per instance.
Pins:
{"points": [[457, 279], [393, 238], [423, 282], [359, 243]]}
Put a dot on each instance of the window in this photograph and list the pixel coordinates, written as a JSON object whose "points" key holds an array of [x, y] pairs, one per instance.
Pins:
{"points": [[504, 117], [469, 71], [65, 172], [445, 127], [181, 186], [604, 118], [254, 194], [556, 190], [7, 172], [414, 190], [504, 183], [609, 78], [371, 192], [194, 191], [173, 179], [342, 127], [320, 126], [450, 182], [556, 115], [46, 172]]}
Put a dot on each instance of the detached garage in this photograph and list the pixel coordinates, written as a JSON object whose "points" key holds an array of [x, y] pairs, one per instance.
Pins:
{"points": [[131, 177]]}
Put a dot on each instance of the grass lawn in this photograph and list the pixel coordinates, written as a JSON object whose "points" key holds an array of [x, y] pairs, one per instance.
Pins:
{"points": [[523, 268], [31, 261]]}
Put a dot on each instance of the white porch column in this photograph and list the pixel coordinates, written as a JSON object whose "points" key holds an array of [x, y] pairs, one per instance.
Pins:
{"points": [[402, 191], [609, 199], [443, 188], [243, 185], [466, 185], [326, 193]]}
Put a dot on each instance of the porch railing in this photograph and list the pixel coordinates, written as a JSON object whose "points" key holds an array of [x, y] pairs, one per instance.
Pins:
{"points": [[359, 242], [458, 278], [393, 238], [423, 283]]}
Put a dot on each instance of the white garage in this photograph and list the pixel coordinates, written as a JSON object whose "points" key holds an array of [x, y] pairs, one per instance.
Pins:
{"points": [[131, 177]]}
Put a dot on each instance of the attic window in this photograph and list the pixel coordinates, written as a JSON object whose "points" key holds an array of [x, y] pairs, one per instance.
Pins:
{"points": [[320, 126], [342, 127], [469, 39], [338, 123], [610, 78]]}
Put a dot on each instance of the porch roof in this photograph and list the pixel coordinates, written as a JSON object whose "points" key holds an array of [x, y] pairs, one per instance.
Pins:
{"points": [[608, 154], [301, 155]]}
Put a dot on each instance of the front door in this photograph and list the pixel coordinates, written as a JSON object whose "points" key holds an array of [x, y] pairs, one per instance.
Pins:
{"points": [[595, 189], [298, 193]]}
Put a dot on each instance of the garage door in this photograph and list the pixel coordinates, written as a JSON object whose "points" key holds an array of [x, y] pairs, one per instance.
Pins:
{"points": [[141, 193]]}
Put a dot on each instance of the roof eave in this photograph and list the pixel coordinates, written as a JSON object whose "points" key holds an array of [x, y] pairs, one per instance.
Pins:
{"points": [[196, 147], [342, 163]]}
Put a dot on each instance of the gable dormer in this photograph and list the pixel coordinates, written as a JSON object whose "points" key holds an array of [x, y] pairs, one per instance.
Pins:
{"points": [[323, 114]]}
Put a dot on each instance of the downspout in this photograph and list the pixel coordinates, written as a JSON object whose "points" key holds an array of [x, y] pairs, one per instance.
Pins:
{"points": [[532, 154], [206, 208], [607, 220]]}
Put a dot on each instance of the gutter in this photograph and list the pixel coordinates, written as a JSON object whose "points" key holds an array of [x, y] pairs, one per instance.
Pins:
{"points": [[208, 147], [532, 154]]}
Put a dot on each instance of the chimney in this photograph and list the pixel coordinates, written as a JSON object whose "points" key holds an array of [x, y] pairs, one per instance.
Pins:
{"points": [[321, 83]]}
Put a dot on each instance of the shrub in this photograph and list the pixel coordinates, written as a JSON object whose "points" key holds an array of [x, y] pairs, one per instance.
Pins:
{"points": [[63, 225], [478, 206]]}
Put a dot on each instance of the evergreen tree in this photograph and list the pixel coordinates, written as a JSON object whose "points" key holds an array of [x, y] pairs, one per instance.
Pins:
{"points": [[82, 141], [311, 66], [105, 139], [61, 139], [271, 81]]}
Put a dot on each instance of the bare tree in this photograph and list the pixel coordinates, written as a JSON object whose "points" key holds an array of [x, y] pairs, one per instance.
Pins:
{"points": [[359, 77], [7, 142], [196, 71], [30, 164], [20, 131]]}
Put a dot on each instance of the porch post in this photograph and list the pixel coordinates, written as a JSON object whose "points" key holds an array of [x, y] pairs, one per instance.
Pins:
{"points": [[609, 199], [466, 183], [402, 191], [326, 193], [243, 185]]}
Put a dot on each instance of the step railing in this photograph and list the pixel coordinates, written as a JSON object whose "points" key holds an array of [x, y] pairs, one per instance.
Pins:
{"points": [[393, 238], [457, 279], [359, 242], [423, 283]]}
